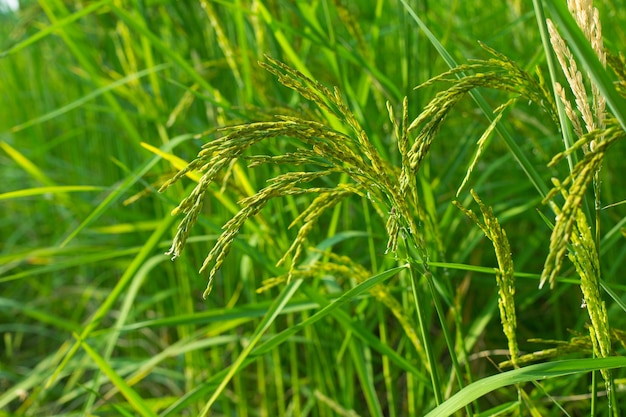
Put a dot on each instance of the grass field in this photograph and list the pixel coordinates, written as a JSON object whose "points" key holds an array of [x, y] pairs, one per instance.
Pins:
{"points": [[365, 247]]}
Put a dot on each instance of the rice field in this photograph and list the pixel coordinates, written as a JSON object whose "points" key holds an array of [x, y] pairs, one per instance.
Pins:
{"points": [[322, 208]]}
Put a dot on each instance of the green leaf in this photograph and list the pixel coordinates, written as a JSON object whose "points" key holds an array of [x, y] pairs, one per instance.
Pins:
{"points": [[530, 373], [273, 312], [134, 399]]}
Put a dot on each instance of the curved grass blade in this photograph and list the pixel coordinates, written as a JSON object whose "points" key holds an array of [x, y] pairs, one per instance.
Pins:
{"points": [[52, 28], [128, 182], [517, 152], [115, 294], [345, 297], [530, 373], [94, 94], [275, 309], [29, 192], [131, 395]]}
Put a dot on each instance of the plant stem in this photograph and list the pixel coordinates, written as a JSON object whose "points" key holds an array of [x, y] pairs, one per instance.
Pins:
{"points": [[423, 325]]}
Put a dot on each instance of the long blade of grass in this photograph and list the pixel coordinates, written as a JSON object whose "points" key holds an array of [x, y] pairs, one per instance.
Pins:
{"points": [[115, 293], [94, 94], [131, 179], [516, 151], [29, 192], [134, 399], [345, 297], [530, 373], [275, 309], [52, 28], [547, 47]]}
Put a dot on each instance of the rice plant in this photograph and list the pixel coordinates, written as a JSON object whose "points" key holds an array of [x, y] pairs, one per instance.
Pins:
{"points": [[376, 203], [393, 191]]}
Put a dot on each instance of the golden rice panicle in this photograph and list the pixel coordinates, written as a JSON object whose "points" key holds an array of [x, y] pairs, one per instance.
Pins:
{"points": [[592, 114]]}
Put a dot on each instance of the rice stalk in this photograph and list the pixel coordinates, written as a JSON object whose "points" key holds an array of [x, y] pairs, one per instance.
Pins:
{"points": [[344, 151], [572, 230], [340, 148], [505, 275], [594, 118], [345, 148], [584, 256]]}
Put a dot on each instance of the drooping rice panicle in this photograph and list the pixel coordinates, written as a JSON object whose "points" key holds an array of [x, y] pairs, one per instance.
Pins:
{"points": [[505, 275]]}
